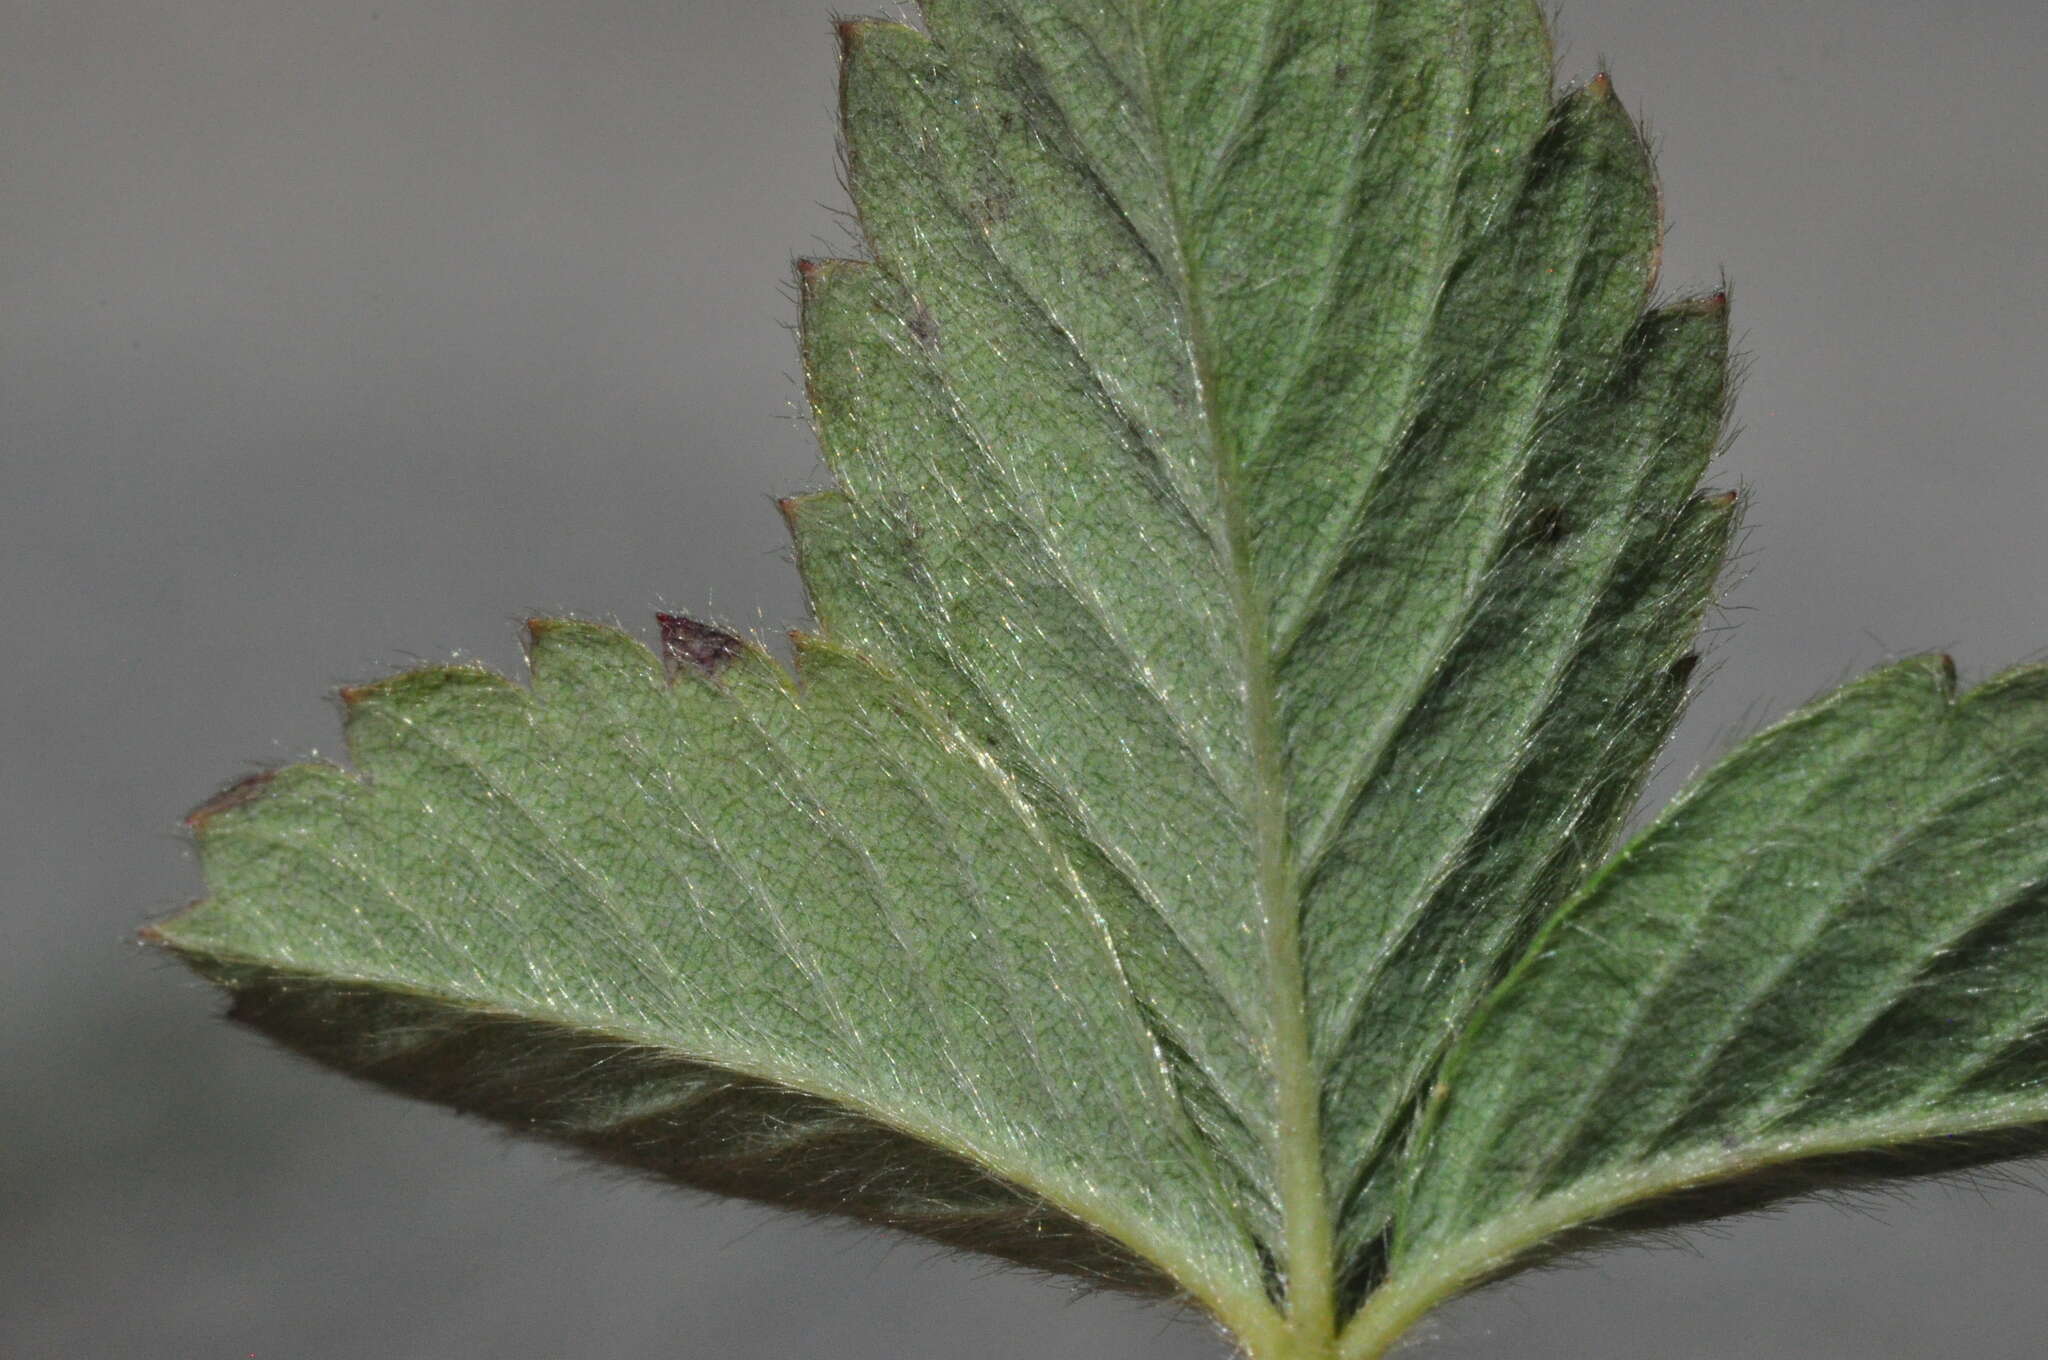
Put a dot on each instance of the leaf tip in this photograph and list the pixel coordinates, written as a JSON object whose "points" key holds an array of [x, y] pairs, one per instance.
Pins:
{"points": [[689, 644]]}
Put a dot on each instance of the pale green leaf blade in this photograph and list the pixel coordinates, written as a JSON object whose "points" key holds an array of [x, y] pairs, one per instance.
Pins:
{"points": [[721, 931], [1823, 962], [1236, 466]]}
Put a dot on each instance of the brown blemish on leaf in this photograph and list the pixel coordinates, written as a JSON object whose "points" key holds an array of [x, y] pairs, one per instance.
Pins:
{"points": [[688, 643], [924, 327]]}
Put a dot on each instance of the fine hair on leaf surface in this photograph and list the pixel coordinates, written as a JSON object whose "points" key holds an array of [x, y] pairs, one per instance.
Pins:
{"points": [[1264, 555]]}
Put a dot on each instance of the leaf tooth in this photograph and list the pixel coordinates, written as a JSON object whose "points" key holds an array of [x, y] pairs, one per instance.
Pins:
{"points": [[818, 526], [1714, 304], [569, 660], [902, 43], [854, 32], [242, 833], [415, 686], [376, 716], [816, 282], [813, 272], [1621, 138], [242, 791]]}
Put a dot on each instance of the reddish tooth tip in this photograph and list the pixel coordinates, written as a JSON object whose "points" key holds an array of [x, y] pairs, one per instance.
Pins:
{"points": [[807, 268], [685, 642], [234, 795]]}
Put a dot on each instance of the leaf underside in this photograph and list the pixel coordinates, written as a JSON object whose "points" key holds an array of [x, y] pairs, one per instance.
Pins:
{"points": [[1263, 564]]}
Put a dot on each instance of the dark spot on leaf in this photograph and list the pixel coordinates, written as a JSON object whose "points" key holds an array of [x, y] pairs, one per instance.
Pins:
{"points": [[989, 209], [1548, 525], [687, 643], [1680, 671], [924, 326]]}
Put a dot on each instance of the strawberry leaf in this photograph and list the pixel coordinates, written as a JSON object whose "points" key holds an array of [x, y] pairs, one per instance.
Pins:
{"points": [[1264, 562]]}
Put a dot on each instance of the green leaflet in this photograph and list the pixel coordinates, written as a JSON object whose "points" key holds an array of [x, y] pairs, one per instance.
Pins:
{"points": [[1263, 564], [1822, 965], [629, 881]]}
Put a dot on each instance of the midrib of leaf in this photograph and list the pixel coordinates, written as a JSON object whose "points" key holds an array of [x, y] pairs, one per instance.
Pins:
{"points": [[1293, 1135], [1308, 1236]]}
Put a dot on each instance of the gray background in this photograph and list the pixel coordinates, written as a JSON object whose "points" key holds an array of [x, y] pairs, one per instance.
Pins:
{"points": [[334, 336]]}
